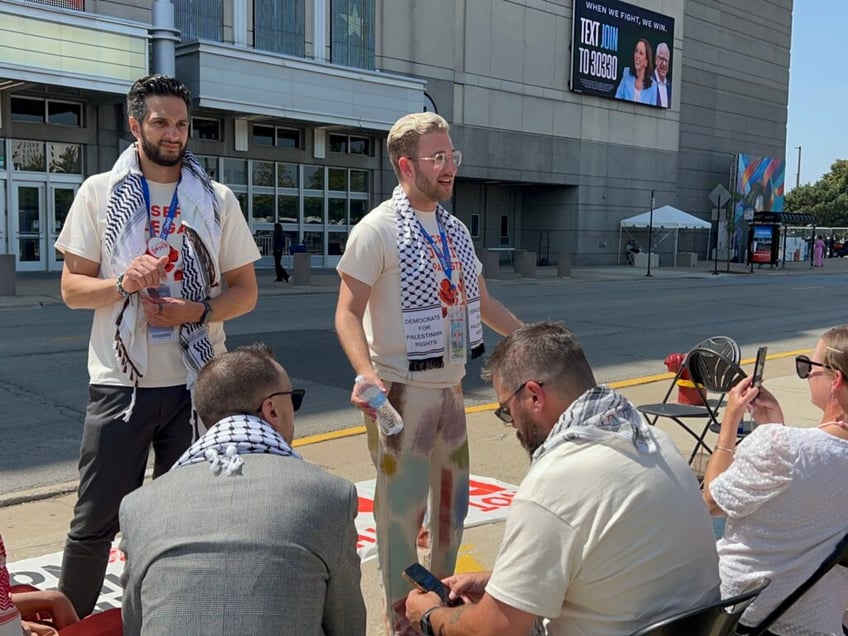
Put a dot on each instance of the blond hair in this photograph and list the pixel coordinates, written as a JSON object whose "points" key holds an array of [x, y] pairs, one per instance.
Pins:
{"points": [[836, 349], [404, 135]]}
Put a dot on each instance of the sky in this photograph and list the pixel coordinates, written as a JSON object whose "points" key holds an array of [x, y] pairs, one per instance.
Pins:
{"points": [[818, 92]]}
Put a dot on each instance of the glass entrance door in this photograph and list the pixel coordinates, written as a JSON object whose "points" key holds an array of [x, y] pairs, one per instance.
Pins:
{"points": [[61, 197], [28, 227]]}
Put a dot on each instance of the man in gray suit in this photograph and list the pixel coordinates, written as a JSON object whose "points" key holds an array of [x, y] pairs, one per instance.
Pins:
{"points": [[242, 536]]}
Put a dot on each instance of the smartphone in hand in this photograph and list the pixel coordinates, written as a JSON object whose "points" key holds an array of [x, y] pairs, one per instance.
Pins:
{"points": [[426, 581], [759, 365]]}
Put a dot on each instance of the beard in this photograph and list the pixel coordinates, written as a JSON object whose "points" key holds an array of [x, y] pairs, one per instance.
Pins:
{"points": [[431, 189], [530, 435], [159, 156]]}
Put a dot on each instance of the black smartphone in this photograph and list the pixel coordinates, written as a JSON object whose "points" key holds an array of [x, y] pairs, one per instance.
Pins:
{"points": [[759, 365], [426, 581]]}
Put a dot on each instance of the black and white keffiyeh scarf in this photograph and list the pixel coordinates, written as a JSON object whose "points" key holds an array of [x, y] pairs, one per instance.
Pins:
{"points": [[224, 444], [597, 415], [125, 238], [423, 323]]}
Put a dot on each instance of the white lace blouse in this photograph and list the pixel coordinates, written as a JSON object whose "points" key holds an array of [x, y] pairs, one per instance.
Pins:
{"points": [[786, 500]]}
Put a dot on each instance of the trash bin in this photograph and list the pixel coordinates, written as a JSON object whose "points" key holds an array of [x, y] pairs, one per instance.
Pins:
{"points": [[687, 392]]}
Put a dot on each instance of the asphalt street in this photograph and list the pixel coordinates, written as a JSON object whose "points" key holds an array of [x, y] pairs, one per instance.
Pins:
{"points": [[626, 324]]}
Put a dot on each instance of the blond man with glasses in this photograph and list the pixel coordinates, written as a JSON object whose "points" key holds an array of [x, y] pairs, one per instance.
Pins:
{"points": [[411, 306]]}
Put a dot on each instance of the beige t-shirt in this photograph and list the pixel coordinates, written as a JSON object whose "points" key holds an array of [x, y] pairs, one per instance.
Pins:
{"points": [[371, 256], [603, 541], [82, 235]]}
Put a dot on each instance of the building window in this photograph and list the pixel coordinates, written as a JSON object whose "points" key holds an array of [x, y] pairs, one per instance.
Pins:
{"points": [[78, 5], [65, 158], [350, 145], [352, 33], [28, 156], [279, 137], [475, 226], [204, 128], [278, 26], [210, 165], [199, 19], [46, 111]]}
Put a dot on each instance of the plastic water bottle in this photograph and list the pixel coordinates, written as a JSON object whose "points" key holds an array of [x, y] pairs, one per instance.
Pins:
{"points": [[388, 419]]}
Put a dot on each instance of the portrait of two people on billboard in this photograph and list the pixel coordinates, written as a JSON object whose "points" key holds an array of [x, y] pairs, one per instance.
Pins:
{"points": [[647, 79]]}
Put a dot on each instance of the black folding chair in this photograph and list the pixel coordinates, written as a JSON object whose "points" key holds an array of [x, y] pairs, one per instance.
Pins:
{"points": [[839, 556], [709, 377], [719, 618]]}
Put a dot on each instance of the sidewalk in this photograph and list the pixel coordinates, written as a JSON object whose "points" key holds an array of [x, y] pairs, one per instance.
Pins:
{"points": [[37, 528], [42, 288]]}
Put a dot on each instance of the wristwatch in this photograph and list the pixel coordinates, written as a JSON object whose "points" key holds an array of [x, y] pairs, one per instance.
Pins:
{"points": [[119, 285], [207, 312], [424, 623]]}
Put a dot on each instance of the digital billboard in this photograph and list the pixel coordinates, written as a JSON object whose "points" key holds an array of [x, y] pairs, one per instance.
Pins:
{"points": [[622, 52]]}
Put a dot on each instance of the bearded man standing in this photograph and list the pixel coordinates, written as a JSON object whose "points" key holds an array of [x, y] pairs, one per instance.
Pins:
{"points": [[147, 247]]}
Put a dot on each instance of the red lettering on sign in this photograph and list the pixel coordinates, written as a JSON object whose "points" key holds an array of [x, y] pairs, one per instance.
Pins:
{"points": [[365, 505]]}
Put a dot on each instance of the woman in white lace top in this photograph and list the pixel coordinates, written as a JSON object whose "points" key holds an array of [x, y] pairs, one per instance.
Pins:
{"points": [[784, 492]]}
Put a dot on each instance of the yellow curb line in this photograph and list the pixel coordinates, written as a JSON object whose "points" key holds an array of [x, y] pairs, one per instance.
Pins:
{"points": [[484, 408]]}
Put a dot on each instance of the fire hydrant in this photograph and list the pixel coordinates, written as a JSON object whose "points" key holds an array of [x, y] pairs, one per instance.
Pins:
{"points": [[687, 392]]}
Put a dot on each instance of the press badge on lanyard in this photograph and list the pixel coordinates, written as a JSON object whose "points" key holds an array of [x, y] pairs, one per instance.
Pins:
{"points": [[157, 246], [456, 313]]}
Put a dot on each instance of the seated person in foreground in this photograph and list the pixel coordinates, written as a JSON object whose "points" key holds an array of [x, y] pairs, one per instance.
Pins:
{"points": [[47, 612], [606, 533], [783, 492], [242, 536]]}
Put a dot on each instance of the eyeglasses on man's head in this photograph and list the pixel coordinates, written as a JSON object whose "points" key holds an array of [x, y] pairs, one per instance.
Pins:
{"points": [[440, 159], [502, 412], [296, 398]]}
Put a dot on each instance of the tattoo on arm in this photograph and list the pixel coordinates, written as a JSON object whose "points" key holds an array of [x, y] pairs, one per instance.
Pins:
{"points": [[454, 618]]}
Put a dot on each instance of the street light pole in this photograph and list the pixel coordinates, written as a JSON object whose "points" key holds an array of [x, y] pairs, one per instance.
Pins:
{"points": [[798, 173], [650, 233]]}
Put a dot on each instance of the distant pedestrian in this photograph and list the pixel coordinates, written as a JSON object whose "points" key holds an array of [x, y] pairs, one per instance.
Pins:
{"points": [[279, 245], [818, 252]]}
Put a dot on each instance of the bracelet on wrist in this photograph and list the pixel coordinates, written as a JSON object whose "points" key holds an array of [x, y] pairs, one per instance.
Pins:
{"points": [[119, 285], [732, 451]]}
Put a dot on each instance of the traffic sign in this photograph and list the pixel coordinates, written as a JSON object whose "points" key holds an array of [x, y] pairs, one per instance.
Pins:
{"points": [[719, 194]]}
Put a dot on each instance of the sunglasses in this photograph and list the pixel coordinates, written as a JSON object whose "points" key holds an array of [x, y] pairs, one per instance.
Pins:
{"points": [[804, 366], [296, 398], [502, 412]]}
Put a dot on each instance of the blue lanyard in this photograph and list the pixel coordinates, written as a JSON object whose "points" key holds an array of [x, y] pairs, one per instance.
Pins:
{"points": [[172, 211], [444, 254]]}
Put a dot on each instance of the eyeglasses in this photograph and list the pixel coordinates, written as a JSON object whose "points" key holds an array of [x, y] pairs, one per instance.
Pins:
{"points": [[440, 159], [804, 366], [296, 398], [662, 60], [502, 412]]}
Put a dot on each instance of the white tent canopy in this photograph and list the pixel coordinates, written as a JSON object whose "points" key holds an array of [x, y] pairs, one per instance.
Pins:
{"points": [[666, 218]]}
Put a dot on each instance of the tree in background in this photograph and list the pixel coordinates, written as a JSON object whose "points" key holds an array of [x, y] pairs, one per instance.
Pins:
{"points": [[827, 199]]}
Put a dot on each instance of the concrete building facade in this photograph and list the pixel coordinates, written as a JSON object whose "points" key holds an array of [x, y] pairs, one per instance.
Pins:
{"points": [[293, 100]]}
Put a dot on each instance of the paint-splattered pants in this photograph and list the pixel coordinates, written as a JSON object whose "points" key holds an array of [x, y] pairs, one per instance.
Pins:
{"points": [[429, 456]]}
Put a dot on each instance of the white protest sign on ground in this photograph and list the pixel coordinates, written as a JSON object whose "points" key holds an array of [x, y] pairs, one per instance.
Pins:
{"points": [[488, 502]]}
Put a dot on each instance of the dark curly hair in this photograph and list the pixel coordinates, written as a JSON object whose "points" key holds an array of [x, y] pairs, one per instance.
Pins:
{"points": [[158, 86]]}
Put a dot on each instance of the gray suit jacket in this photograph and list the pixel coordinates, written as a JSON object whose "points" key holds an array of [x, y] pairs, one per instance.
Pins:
{"points": [[272, 551]]}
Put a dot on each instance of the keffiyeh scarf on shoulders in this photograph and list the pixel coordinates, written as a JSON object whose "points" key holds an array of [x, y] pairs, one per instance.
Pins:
{"points": [[125, 238], [224, 444], [598, 415], [423, 323]]}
